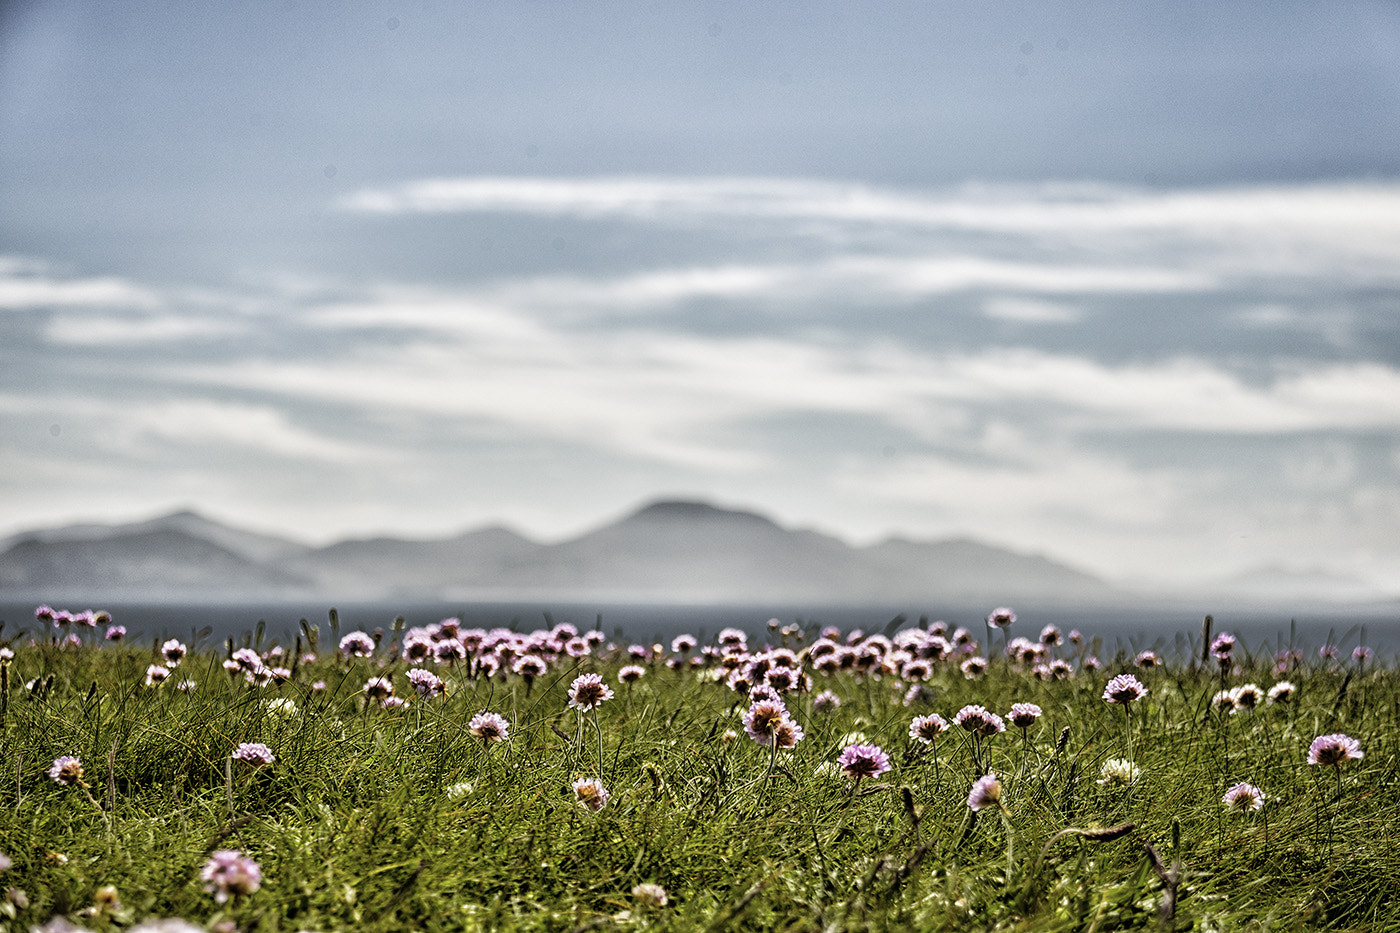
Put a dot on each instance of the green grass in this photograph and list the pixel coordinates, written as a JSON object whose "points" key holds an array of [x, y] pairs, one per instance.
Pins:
{"points": [[355, 828]]}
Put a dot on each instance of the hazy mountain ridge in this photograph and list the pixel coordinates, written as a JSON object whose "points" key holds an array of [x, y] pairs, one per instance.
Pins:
{"points": [[669, 551]]}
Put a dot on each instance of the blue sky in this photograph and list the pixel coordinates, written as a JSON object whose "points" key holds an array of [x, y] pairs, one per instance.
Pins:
{"points": [[1115, 282]]}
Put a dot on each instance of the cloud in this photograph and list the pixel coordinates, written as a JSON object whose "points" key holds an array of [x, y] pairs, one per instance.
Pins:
{"points": [[28, 284], [1297, 230], [111, 330], [164, 431], [676, 396], [1031, 311]]}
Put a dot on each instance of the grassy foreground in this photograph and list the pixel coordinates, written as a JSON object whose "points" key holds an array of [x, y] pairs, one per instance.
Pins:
{"points": [[410, 815]]}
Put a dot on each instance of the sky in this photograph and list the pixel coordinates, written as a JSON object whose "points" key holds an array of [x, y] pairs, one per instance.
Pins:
{"points": [[1116, 283]]}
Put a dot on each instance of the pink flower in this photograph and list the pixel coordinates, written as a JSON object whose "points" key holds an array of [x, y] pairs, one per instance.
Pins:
{"points": [[1243, 797], [863, 761], [357, 645], [591, 794], [986, 792], [762, 718], [1334, 750], [1000, 617], [67, 770], [489, 727], [588, 692], [926, 728], [978, 721], [253, 753], [1023, 715], [1124, 689], [229, 872]]}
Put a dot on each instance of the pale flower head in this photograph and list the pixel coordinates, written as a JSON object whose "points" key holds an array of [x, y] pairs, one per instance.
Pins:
{"points": [[985, 793], [1334, 750], [590, 794], [1119, 772], [588, 692], [1125, 688], [1243, 797], [230, 873]]}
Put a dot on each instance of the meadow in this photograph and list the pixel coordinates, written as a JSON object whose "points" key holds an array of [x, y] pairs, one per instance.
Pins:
{"points": [[916, 777]]}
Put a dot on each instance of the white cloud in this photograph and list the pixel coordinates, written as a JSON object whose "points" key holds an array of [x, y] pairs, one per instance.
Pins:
{"points": [[1350, 229], [1031, 311], [26, 284], [110, 330], [151, 430]]}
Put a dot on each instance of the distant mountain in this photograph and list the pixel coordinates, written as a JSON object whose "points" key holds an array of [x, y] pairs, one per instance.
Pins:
{"points": [[690, 552], [138, 563], [259, 548], [668, 551], [376, 567]]}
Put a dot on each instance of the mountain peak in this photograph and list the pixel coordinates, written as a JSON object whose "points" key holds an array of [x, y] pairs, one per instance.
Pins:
{"points": [[688, 510]]}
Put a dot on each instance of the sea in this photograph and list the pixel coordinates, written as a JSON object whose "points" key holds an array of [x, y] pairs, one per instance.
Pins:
{"points": [[1171, 631]]}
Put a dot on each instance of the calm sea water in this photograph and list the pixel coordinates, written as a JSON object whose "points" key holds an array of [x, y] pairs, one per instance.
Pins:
{"points": [[1167, 630]]}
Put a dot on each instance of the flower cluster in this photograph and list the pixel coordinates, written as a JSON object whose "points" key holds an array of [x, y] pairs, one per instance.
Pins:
{"points": [[230, 873]]}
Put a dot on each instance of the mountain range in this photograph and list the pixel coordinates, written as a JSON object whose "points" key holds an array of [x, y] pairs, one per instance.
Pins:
{"points": [[668, 552]]}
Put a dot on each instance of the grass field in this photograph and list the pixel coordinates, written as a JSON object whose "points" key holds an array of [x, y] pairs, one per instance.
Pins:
{"points": [[744, 786]]}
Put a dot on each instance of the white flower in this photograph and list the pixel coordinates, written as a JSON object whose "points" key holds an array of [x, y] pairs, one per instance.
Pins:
{"points": [[1119, 772]]}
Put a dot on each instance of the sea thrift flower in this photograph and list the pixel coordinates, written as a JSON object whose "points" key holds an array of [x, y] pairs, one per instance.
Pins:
{"points": [[683, 644], [357, 645], [631, 673], [825, 702], [1125, 688], [1223, 701], [1092, 663], [973, 667], [393, 703], [978, 721], [1243, 797], [1247, 696], [1050, 635], [115, 632], [1281, 692], [489, 727], [863, 761], [1334, 750], [230, 873], [253, 753], [1023, 715], [1223, 646], [68, 771], [378, 688], [1148, 659], [650, 895], [927, 728], [588, 692], [173, 651], [787, 733], [247, 659], [156, 674], [1119, 772], [761, 719], [590, 793], [985, 793], [1361, 654], [426, 683], [1000, 617]]}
